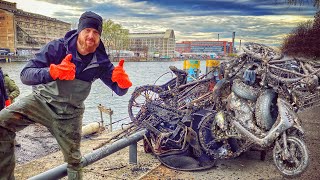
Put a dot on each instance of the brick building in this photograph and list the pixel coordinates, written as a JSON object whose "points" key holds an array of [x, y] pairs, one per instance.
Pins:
{"points": [[218, 47], [24, 32], [160, 44]]}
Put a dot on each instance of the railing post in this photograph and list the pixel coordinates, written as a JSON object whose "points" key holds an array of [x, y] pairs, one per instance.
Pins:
{"points": [[107, 111], [133, 153], [110, 116], [101, 114]]}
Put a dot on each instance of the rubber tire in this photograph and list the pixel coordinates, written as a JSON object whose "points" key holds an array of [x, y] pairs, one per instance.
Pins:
{"points": [[244, 91], [305, 156], [263, 112]]}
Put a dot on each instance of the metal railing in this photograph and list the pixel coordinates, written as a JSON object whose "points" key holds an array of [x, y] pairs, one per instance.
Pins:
{"points": [[61, 171]]}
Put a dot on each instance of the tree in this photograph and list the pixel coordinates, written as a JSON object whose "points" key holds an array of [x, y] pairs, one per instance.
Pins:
{"points": [[304, 40], [114, 36], [316, 3], [316, 24], [315, 33], [297, 41]]}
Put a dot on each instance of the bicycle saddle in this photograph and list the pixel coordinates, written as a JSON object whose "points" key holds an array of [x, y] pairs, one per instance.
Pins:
{"points": [[177, 71]]}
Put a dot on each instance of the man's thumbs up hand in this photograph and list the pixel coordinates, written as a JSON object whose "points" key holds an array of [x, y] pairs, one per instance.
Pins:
{"points": [[66, 70]]}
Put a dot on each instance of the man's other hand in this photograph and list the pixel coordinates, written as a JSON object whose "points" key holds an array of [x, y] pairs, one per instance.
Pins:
{"points": [[120, 76]]}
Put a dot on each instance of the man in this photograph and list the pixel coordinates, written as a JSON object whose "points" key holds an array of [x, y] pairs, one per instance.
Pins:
{"points": [[13, 92], [62, 74], [12, 89]]}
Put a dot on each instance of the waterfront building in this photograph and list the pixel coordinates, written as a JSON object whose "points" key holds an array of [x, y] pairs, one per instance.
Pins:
{"points": [[204, 47], [153, 44], [24, 32]]}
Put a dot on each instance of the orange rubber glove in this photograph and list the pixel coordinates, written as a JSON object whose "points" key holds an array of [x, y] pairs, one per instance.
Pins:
{"points": [[7, 102], [120, 76], [66, 70]]}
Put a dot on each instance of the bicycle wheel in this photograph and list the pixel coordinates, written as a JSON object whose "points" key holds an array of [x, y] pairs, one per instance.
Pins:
{"points": [[298, 160], [136, 108]]}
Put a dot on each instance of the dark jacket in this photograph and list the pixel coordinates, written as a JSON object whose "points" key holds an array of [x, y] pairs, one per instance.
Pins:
{"points": [[36, 70], [11, 88]]}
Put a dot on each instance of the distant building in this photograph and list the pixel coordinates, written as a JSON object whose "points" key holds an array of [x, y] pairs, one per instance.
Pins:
{"points": [[157, 44], [23, 32], [205, 47]]}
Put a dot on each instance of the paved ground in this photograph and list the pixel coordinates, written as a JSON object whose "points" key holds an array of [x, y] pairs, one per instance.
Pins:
{"points": [[35, 142], [116, 166]]}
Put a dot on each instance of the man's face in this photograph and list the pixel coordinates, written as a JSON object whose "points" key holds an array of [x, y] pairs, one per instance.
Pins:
{"points": [[88, 41]]}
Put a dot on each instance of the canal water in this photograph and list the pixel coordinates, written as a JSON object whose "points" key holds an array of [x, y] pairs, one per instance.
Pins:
{"points": [[140, 73]]}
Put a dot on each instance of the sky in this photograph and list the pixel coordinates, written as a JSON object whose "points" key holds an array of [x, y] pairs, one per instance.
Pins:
{"points": [[260, 21]]}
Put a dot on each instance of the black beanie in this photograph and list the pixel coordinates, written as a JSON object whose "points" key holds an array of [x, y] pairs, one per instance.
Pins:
{"points": [[90, 20]]}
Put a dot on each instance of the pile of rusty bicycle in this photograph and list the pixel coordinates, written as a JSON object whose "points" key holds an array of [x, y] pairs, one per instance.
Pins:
{"points": [[253, 106]]}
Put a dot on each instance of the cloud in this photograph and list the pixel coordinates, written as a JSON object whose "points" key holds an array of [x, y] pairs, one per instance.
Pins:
{"points": [[252, 20]]}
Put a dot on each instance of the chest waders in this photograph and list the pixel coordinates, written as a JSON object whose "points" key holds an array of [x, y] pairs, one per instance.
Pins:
{"points": [[59, 106]]}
